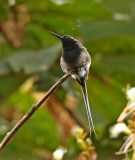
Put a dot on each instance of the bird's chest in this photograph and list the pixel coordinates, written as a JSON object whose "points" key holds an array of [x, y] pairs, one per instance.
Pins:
{"points": [[71, 56]]}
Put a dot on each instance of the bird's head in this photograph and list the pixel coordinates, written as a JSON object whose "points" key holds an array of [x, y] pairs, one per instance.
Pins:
{"points": [[67, 41]]}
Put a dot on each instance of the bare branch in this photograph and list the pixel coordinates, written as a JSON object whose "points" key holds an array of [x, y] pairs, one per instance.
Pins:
{"points": [[10, 134]]}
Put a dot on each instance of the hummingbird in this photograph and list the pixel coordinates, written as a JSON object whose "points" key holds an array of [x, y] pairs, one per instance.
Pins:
{"points": [[76, 58]]}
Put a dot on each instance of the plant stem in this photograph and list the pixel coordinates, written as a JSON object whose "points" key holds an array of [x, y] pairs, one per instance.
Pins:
{"points": [[10, 134]]}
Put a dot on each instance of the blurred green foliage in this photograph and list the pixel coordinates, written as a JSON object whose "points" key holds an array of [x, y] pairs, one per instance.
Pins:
{"points": [[107, 30]]}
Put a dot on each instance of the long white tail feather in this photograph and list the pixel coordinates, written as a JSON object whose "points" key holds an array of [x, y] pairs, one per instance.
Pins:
{"points": [[85, 96]]}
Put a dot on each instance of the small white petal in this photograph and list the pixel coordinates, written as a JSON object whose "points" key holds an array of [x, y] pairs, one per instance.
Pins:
{"points": [[75, 129], [118, 128], [11, 2], [61, 2], [121, 16], [131, 94], [59, 153]]}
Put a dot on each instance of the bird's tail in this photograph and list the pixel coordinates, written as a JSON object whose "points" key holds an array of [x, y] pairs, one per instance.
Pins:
{"points": [[85, 96]]}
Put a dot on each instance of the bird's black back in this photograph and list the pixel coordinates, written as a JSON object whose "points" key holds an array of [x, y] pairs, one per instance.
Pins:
{"points": [[71, 56], [71, 49]]}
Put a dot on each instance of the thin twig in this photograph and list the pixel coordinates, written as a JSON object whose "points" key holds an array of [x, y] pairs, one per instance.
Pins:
{"points": [[10, 134]]}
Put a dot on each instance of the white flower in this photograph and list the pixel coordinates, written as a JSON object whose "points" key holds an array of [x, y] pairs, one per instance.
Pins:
{"points": [[76, 129], [131, 94], [118, 128], [59, 153], [121, 16], [11, 2], [60, 2]]}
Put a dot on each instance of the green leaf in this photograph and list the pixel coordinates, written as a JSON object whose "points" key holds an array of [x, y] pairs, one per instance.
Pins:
{"points": [[10, 84], [124, 63], [43, 59], [19, 59], [29, 61], [124, 6], [97, 29], [4, 69]]}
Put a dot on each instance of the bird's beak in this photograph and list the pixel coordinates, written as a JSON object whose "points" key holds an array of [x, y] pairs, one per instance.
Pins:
{"points": [[60, 37]]}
